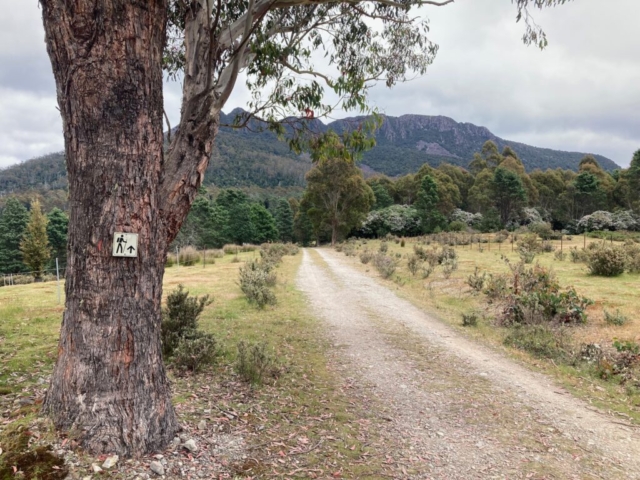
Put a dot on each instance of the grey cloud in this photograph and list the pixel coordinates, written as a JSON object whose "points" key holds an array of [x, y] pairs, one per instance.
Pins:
{"points": [[582, 93]]}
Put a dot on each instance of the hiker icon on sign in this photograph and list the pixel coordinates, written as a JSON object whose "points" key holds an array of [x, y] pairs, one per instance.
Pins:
{"points": [[121, 243], [125, 245]]}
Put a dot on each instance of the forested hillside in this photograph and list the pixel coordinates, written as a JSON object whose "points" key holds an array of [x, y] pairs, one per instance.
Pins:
{"points": [[244, 158]]}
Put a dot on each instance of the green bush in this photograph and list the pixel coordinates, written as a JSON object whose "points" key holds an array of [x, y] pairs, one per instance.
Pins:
{"points": [[254, 363], [547, 246], [470, 319], [256, 279], [384, 247], [350, 250], [615, 318], [231, 249], [542, 229], [420, 252], [541, 341], [413, 264], [366, 256], [195, 350], [188, 256], [215, 253], [533, 296], [528, 248], [273, 252], [578, 256], [632, 250], [607, 261], [457, 226], [477, 281], [180, 317], [449, 265], [560, 255], [385, 265], [425, 271]]}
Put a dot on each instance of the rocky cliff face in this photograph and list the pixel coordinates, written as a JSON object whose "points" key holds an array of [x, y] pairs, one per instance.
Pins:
{"points": [[405, 143]]}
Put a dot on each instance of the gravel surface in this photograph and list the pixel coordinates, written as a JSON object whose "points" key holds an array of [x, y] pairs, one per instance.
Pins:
{"points": [[448, 407]]}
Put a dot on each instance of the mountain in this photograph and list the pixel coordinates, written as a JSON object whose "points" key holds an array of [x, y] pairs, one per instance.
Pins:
{"points": [[246, 158], [405, 143]]}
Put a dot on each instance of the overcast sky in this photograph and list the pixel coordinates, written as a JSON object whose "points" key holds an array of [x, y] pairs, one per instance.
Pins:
{"points": [[581, 94]]}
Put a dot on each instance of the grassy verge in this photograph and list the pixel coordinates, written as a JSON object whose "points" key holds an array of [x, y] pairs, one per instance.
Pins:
{"points": [[301, 423], [450, 298]]}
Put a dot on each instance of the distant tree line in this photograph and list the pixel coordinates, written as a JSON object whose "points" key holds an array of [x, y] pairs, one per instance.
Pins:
{"points": [[494, 193]]}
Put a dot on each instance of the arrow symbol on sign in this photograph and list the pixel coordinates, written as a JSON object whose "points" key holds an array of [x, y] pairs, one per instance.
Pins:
{"points": [[131, 249]]}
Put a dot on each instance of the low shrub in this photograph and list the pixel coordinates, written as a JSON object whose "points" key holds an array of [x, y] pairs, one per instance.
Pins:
{"points": [[578, 256], [350, 250], [495, 286], [528, 247], [560, 256], [188, 256], [385, 265], [384, 247], [180, 317], [607, 261], [542, 229], [402, 243], [457, 226], [256, 279], [215, 253], [170, 261], [195, 350], [254, 363], [426, 271], [539, 340], [476, 281], [273, 252], [231, 249], [449, 265], [501, 236], [420, 252], [470, 319], [633, 264], [547, 247], [533, 296], [617, 318], [413, 264], [366, 256], [622, 363]]}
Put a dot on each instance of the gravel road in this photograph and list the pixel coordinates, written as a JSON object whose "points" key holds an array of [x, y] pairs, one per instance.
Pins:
{"points": [[447, 407]]}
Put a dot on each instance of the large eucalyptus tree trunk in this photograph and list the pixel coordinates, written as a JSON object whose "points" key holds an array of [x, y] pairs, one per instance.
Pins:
{"points": [[109, 384]]}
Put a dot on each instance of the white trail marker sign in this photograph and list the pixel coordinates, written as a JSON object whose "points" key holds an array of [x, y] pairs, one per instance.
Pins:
{"points": [[125, 244]]}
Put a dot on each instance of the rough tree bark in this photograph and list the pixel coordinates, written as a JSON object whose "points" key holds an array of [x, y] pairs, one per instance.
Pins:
{"points": [[109, 384]]}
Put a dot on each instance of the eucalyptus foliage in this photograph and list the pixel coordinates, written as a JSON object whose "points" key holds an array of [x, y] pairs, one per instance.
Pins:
{"points": [[277, 45]]}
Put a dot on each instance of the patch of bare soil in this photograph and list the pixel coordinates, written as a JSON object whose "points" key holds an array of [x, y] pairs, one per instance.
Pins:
{"points": [[448, 407]]}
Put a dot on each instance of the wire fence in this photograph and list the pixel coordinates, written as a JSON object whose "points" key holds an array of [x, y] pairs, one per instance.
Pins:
{"points": [[44, 275]]}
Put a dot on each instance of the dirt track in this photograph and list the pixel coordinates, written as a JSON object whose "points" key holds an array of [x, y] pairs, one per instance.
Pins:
{"points": [[448, 407]]}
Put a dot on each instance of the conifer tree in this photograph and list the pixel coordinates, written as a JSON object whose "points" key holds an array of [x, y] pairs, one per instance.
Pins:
{"points": [[284, 220], [426, 205], [35, 244], [57, 225], [13, 222]]}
